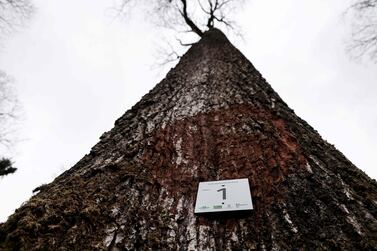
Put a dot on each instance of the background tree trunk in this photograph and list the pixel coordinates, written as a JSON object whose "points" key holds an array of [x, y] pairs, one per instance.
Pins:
{"points": [[213, 117]]}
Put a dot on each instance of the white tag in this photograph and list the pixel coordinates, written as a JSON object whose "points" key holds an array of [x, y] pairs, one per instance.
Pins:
{"points": [[223, 195]]}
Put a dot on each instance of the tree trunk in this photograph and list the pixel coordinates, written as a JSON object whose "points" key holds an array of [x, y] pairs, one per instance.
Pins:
{"points": [[213, 117]]}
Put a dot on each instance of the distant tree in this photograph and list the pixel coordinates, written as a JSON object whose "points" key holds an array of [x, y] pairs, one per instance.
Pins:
{"points": [[6, 167], [364, 29], [8, 107], [13, 13]]}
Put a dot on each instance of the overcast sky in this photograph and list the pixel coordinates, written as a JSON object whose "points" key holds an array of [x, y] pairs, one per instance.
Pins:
{"points": [[77, 69]]}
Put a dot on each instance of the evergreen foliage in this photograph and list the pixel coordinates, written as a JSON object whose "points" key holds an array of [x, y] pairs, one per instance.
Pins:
{"points": [[6, 167]]}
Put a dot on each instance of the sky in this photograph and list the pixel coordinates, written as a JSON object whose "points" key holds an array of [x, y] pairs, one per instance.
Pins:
{"points": [[77, 68]]}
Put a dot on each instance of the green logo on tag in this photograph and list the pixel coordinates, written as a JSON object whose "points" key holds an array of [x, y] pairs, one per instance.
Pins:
{"points": [[217, 207], [204, 207]]}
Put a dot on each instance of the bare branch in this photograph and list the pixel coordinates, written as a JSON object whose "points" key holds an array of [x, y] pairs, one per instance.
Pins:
{"points": [[188, 21], [175, 13], [184, 44], [203, 9], [186, 16], [212, 9], [364, 30], [168, 55]]}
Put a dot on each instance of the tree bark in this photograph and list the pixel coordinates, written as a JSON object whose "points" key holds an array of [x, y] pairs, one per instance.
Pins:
{"points": [[213, 117]]}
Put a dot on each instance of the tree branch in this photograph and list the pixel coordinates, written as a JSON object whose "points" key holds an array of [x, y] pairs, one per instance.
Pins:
{"points": [[187, 19]]}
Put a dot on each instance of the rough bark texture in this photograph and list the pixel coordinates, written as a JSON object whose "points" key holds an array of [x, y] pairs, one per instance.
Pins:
{"points": [[213, 117]]}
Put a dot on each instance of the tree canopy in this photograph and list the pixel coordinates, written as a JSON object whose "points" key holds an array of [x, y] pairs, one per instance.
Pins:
{"points": [[181, 18], [197, 16]]}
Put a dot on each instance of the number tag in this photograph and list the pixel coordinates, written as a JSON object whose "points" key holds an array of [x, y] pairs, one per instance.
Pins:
{"points": [[223, 195]]}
